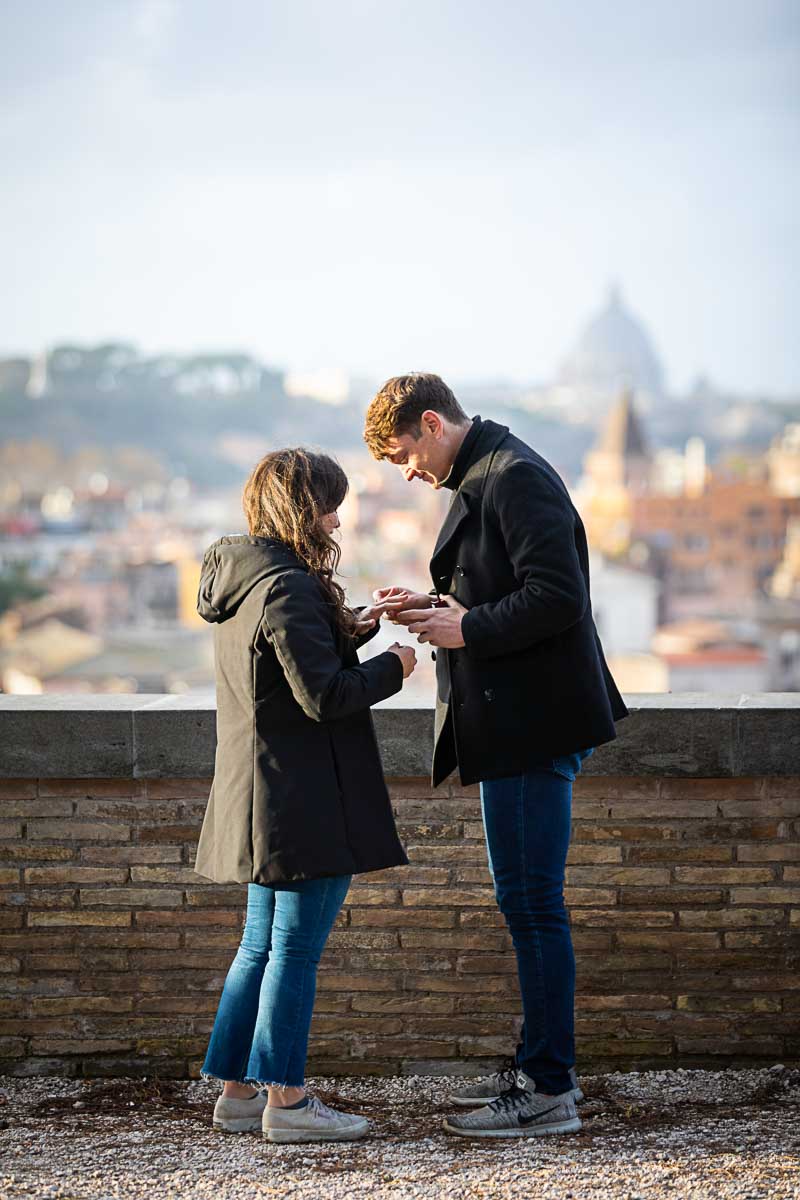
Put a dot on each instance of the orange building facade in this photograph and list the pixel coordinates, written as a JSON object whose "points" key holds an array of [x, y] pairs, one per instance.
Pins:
{"points": [[728, 539]]}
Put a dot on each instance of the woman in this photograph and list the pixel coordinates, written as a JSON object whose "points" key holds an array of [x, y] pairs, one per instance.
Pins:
{"points": [[298, 803]]}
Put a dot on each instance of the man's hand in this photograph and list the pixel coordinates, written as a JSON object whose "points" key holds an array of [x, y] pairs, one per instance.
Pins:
{"points": [[387, 601], [438, 626], [392, 600]]}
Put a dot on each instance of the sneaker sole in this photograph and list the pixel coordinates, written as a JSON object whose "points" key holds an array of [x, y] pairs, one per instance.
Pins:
{"points": [[462, 1102], [571, 1126], [239, 1125], [351, 1134]]}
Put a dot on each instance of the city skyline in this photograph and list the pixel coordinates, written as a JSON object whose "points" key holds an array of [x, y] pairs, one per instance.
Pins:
{"points": [[611, 352], [446, 188]]}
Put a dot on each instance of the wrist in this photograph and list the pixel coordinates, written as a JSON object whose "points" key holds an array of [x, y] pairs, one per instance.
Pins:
{"points": [[467, 628]]}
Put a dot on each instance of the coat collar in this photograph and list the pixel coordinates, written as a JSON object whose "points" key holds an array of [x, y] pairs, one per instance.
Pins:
{"points": [[468, 493], [463, 457]]}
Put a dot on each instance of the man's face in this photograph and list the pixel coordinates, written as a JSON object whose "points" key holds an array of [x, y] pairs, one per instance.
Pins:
{"points": [[427, 457]]}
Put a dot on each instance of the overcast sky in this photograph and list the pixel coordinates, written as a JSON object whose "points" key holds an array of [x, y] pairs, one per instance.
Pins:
{"points": [[447, 185]]}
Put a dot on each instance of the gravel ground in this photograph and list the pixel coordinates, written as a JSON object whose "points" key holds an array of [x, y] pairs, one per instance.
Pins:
{"points": [[677, 1134]]}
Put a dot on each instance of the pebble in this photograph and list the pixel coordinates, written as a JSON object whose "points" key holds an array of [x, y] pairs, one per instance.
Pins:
{"points": [[686, 1134]]}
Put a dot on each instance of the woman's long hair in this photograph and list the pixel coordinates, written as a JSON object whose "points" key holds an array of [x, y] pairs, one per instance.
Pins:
{"points": [[284, 498]]}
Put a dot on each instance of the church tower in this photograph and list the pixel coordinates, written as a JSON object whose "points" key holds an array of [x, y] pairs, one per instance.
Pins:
{"points": [[616, 470], [620, 458]]}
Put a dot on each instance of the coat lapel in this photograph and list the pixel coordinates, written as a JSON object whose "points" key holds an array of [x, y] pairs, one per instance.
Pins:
{"points": [[464, 499], [457, 513]]}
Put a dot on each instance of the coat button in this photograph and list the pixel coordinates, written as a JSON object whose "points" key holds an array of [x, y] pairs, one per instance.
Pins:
{"points": [[433, 655], [460, 570], [489, 694]]}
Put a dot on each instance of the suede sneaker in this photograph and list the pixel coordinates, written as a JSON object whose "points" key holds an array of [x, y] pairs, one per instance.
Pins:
{"points": [[529, 1085], [485, 1090], [314, 1122], [239, 1116], [476, 1095], [518, 1113]]}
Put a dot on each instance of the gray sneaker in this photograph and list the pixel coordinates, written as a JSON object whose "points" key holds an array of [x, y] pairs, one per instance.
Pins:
{"points": [[239, 1116], [485, 1090], [529, 1085], [315, 1122], [475, 1095], [518, 1113]]}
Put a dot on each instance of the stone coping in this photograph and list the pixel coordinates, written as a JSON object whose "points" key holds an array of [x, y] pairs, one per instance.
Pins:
{"points": [[98, 736]]}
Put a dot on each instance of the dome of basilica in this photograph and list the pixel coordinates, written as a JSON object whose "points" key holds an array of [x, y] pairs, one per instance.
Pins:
{"points": [[613, 352]]}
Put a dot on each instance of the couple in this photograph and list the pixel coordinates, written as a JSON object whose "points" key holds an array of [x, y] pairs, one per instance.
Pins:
{"points": [[299, 804]]}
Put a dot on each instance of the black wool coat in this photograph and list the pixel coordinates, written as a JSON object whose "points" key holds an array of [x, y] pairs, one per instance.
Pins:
{"points": [[531, 681], [298, 790]]}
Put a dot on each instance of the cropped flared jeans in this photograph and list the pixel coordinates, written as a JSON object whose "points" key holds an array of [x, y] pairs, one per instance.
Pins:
{"points": [[260, 1033]]}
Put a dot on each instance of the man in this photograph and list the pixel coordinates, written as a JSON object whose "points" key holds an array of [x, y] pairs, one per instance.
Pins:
{"points": [[523, 695]]}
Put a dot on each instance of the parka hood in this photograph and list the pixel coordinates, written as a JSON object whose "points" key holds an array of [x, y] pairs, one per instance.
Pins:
{"points": [[232, 566]]}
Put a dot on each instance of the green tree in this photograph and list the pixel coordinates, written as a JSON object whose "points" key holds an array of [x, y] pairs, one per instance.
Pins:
{"points": [[17, 586]]}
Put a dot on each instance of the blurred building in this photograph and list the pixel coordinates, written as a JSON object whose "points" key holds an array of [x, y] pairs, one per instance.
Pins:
{"points": [[715, 534], [779, 616], [707, 656], [723, 543], [692, 507], [614, 351], [785, 583], [617, 469], [389, 526], [625, 606], [783, 459], [43, 653]]}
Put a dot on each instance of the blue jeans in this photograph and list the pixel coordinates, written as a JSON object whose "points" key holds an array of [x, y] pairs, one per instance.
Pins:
{"points": [[527, 823], [260, 1034]]}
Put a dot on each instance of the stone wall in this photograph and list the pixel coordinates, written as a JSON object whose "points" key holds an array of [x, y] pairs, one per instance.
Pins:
{"points": [[682, 889]]}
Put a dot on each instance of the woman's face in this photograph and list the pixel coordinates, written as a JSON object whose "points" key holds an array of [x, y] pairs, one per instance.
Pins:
{"points": [[330, 522]]}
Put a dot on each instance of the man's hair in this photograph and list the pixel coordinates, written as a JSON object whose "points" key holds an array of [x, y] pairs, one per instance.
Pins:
{"points": [[399, 405]]}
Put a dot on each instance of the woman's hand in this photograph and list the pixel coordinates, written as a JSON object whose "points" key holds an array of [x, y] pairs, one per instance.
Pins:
{"points": [[389, 601], [367, 619], [392, 600], [407, 656]]}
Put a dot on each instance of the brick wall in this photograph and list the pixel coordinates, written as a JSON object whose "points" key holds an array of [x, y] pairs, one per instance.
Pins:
{"points": [[113, 952]]}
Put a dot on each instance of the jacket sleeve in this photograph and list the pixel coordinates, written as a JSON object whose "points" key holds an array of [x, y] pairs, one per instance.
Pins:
{"points": [[538, 528], [297, 624]]}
